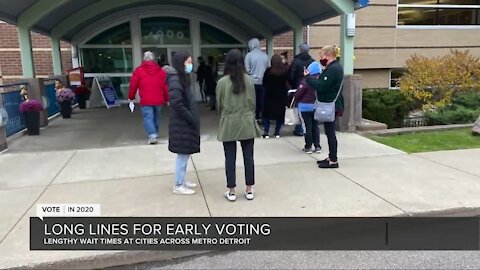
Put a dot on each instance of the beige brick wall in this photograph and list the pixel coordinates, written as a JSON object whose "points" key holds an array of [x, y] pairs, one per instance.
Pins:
{"points": [[380, 45], [374, 78]]}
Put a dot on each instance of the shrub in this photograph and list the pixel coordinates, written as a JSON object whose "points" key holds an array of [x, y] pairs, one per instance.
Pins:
{"points": [[435, 81], [31, 105], [385, 106], [465, 108]]}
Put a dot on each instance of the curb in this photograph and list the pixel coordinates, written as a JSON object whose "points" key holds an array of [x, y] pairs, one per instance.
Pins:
{"points": [[116, 259], [400, 131]]}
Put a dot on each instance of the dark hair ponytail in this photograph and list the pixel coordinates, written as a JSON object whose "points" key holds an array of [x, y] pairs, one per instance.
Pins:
{"points": [[234, 66]]}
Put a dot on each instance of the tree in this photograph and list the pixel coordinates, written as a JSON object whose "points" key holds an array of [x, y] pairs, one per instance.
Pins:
{"points": [[435, 81]]}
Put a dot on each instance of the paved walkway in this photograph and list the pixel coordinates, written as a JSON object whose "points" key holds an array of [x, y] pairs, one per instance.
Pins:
{"points": [[136, 180]]}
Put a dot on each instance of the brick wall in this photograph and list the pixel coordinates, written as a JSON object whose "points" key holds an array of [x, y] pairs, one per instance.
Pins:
{"points": [[10, 62]]}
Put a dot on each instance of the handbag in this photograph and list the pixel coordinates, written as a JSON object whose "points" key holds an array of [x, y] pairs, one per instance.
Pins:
{"points": [[325, 111], [291, 115]]}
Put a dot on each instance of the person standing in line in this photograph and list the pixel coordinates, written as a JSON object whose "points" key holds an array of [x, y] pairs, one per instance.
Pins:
{"points": [[328, 87], [184, 124], [236, 105], [211, 75], [256, 62], [285, 59], [276, 95], [299, 64], [150, 80], [201, 74], [305, 98]]}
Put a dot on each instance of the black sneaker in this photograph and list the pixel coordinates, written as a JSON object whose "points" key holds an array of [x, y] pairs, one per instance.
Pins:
{"points": [[327, 160], [298, 134], [328, 165], [265, 136]]}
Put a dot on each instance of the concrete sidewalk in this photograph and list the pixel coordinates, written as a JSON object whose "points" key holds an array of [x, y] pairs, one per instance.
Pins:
{"points": [[373, 180]]}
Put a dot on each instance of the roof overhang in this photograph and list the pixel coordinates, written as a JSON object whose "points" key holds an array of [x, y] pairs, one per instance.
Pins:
{"points": [[63, 19]]}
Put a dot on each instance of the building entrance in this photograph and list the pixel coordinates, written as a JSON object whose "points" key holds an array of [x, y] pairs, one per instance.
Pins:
{"points": [[117, 49]]}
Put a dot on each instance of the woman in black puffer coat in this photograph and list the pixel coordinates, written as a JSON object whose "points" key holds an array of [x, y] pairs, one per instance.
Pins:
{"points": [[184, 124]]}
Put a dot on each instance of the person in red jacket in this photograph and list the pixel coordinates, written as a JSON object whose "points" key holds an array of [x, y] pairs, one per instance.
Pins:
{"points": [[151, 82]]}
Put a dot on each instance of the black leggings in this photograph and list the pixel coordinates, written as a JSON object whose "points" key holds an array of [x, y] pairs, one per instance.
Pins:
{"points": [[332, 140], [230, 149]]}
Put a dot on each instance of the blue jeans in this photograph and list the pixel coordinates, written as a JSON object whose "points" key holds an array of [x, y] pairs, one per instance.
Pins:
{"points": [[266, 125], [181, 169], [151, 120]]}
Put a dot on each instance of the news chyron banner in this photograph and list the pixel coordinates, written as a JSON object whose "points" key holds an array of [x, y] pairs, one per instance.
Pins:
{"points": [[232, 233]]}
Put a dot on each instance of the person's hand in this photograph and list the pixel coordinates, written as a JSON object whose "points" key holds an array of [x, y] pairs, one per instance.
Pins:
{"points": [[305, 72]]}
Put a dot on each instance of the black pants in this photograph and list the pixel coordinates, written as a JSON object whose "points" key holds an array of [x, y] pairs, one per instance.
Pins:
{"points": [[312, 132], [332, 140], [230, 149], [259, 100]]}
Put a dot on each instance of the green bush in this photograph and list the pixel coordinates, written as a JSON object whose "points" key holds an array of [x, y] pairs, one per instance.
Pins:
{"points": [[385, 106], [465, 108]]}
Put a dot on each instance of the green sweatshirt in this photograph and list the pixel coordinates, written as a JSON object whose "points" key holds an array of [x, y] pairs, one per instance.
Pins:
{"points": [[328, 85]]}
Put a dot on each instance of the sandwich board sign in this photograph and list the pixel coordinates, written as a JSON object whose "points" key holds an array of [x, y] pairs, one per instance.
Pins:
{"points": [[103, 93]]}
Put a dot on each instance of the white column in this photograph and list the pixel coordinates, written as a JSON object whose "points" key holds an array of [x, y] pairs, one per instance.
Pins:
{"points": [[270, 50], [297, 38], [196, 52], [75, 57], [136, 32], [56, 56]]}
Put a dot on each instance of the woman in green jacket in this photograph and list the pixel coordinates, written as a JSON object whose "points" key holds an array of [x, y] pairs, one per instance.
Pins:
{"points": [[236, 105]]}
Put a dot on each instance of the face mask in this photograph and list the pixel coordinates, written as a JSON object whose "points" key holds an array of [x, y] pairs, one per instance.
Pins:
{"points": [[189, 68], [284, 61], [324, 62]]}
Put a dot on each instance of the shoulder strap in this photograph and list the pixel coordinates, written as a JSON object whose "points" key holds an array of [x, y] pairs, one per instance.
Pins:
{"points": [[339, 91]]}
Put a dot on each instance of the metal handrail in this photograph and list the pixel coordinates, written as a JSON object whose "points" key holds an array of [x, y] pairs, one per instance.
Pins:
{"points": [[13, 84]]}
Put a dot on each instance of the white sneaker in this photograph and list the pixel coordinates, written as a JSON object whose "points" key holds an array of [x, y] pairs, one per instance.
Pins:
{"points": [[152, 140], [230, 196], [190, 184], [182, 190], [249, 195]]}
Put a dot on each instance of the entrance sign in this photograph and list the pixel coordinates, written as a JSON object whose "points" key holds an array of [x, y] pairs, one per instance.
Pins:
{"points": [[103, 93]]}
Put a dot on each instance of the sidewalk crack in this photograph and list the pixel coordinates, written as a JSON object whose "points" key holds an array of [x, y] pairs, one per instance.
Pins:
{"points": [[201, 187]]}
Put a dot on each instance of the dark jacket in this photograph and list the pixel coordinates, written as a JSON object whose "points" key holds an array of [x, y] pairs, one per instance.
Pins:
{"points": [[210, 80], [276, 95], [300, 61], [184, 124], [305, 93], [201, 72], [328, 85]]}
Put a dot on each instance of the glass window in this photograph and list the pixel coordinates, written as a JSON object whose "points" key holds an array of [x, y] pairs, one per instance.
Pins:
{"points": [[165, 31], [102, 60], [160, 53], [213, 35], [437, 16], [395, 75], [439, 2], [218, 55], [434, 13], [117, 35], [417, 16]]}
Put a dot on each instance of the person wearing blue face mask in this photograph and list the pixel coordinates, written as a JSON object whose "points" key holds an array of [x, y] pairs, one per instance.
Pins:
{"points": [[184, 124]]}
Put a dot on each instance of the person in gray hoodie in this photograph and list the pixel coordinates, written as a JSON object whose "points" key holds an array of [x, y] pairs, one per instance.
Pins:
{"points": [[256, 62]]}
